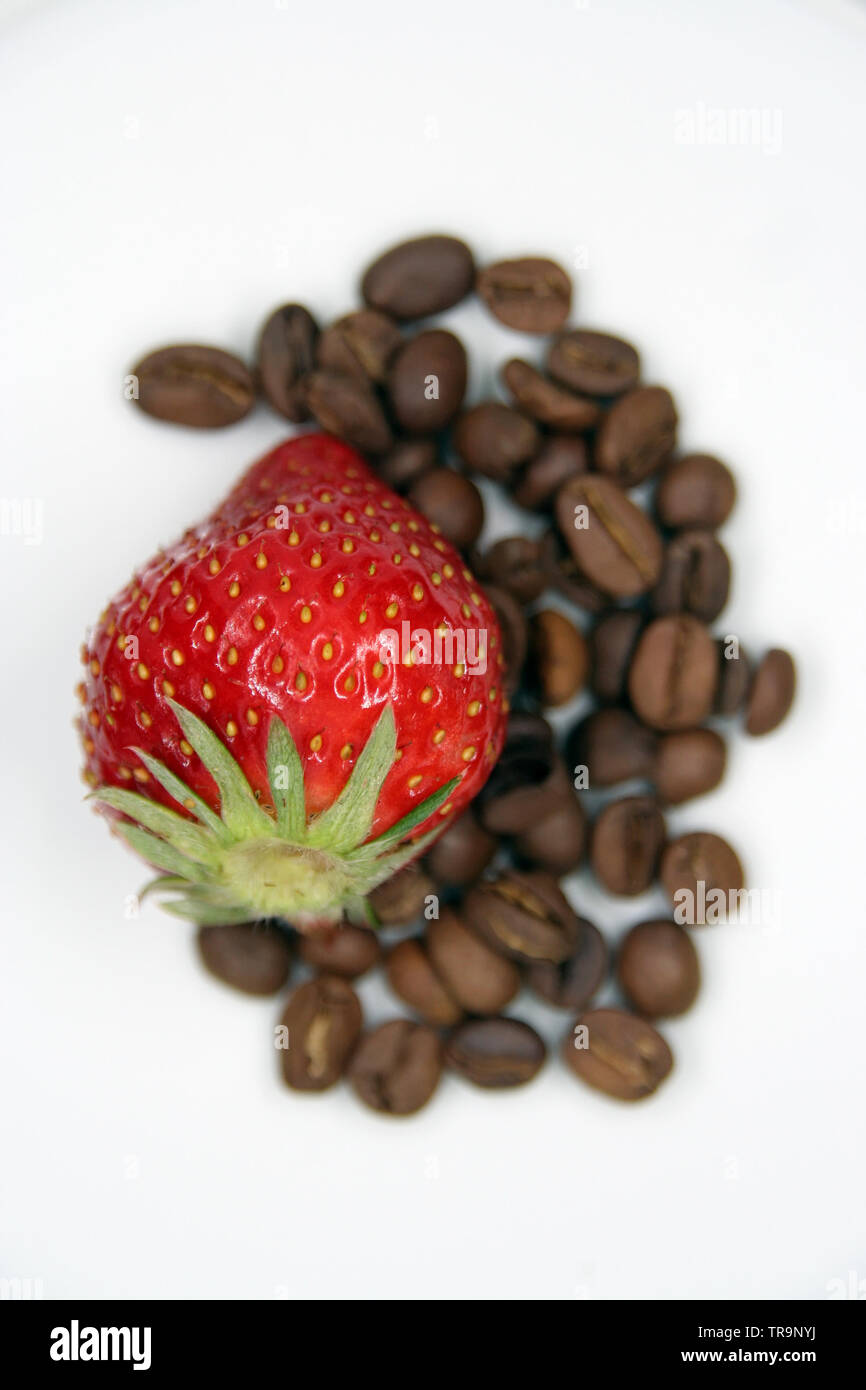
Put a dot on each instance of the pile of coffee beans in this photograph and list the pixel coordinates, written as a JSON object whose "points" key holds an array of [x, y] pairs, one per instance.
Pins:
{"points": [[625, 535]]}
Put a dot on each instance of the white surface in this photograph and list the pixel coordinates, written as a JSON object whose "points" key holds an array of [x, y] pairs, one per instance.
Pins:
{"points": [[173, 170]]}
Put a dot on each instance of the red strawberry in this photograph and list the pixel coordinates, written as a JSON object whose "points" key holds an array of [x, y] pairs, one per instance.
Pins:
{"points": [[270, 757]]}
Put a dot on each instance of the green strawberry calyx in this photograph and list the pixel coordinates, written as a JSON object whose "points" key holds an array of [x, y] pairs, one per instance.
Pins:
{"points": [[244, 863]]}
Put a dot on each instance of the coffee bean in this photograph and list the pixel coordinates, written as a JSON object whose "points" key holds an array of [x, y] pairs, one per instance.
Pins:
{"points": [[700, 872], [427, 381], [344, 950], [673, 674], [531, 294], [323, 1019], [419, 277], [695, 577], [514, 631], [452, 502], [547, 402], [361, 345], [613, 542], [627, 840], [493, 439], [402, 898], [409, 459], [735, 675], [194, 385], [560, 457], [613, 746], [572, 983], [565, 577], [688, 763], [561, 657], [524, 915], [396, 1067], [520, 787], [413, 979], [556, 840], [611, 647], [623, 1055], [495, 1052], [480, 979], [594, 363], [772, 692], [637, 435], [514, 564], [287, 350], [695, 490], [344, 406], [658, 969], [462, 853], [252, 958]]}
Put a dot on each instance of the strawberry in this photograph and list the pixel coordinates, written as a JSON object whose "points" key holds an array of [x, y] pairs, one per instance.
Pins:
{"points": [[266, 720]]}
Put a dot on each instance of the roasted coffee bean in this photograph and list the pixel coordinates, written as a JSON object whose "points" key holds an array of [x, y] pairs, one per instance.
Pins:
{"points": [[408, 460], [427, 381], [614, 543], [702, 875], [252, 958], [673, 674], [396, 1067], [613, 746], [546, 401], [560, 457], [362, 345], [735, 675], [637, 435], [287, 352], [323, 1019], [401, 898], [531, 294], [617, 1053], [695, 490], [519, 789], [515, 633], [772, 692], [658, 969], [492, 439], [594, 363], [561, 657], [193, 385], [346, 407], [688, 763], [627, 840], [524, 915], [344, 950], [480, 979], [572, 983], [555, 841], [453, 502], [514, 564], [495, 1052], [611, 647], [420, 277], [413, 979], [564, 576], [695, 577], [462, 853]]}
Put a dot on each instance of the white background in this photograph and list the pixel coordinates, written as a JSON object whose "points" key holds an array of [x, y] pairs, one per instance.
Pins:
{"points": [[174, 170]]}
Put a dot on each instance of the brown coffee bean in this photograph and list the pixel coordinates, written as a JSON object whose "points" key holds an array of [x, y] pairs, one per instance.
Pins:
{"points": [[527, 779], [480, 979], [613, 542], [544, 400], [673, 674], [695, 490], [413, 979], [515, 633], [462, 853], [402, 898], [427, 381], [287, 351], [556, 841], [613, 746], [572, 983], [627, 839], [361, 345], [396, 1067], [493, 439], [594, 363], [617, 1053], [252, 958], [637, 435], [525, 915], [658, 969], [772, 692], [531, 294], [453, 502], [561, 657], [565, 577], [735, 676], [344, 950], [344, 406], [323, 1019], [419, 277], [688, 763], [701, 874], [611, 647], [408, 460], [193, 385], [695, 577], [514, 564], [495, 1052], [560, 457]]}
